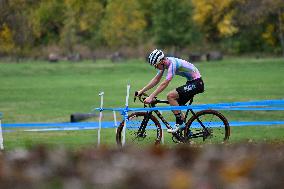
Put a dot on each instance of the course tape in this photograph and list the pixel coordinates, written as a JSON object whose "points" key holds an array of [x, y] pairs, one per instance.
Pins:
{"points": [[67, 124], [110, 124], [263, 105]]}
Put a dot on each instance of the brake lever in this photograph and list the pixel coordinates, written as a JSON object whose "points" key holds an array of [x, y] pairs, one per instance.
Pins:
{"points": [[135, 95], [140, 96]]}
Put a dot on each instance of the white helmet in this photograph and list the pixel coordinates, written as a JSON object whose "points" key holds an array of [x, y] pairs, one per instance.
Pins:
{"points": [[155, 57]]}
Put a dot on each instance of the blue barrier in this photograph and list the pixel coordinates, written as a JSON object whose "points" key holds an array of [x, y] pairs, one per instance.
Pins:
{"points": [[79, 124], [110, 124], [263, 105]]}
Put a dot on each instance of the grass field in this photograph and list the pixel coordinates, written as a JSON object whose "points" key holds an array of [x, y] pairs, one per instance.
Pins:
{"points": [[50, 92]]}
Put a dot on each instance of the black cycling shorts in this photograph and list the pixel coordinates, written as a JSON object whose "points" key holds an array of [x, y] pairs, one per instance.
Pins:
{"points": [[187, 91]]}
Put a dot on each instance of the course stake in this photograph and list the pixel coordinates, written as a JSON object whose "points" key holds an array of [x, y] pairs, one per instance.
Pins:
{"points": [[1, 136], [125, 114], [101, 94]]}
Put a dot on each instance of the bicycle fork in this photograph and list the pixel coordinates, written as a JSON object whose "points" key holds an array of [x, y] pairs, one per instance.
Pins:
{"points": [[142, 128]]}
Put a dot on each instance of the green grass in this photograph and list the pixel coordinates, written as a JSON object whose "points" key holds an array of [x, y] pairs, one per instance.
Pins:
{"points": [[45, 92], [69, 139], [88, 138]]}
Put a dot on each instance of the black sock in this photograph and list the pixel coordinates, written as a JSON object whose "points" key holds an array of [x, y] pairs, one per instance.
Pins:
{"points": [[179, 119]]}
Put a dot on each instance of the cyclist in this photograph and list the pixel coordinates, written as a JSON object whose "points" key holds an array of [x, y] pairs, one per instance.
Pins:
{"points": [[179, 96]]}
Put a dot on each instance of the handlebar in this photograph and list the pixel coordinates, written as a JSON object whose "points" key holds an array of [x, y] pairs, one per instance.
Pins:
{"points": [[143, 96], [140, 97]]}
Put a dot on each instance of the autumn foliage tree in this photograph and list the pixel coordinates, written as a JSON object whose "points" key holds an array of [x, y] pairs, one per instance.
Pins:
{"points": [[250, 25], [47, 21], [263, 20], [239, 26], [172, 24], [15, 30], [6, 39], [81, 23], [123, 23], [215, 17]]}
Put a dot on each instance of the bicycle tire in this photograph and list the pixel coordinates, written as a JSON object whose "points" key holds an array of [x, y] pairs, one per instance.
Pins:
{"points": [[151, 136], [214, 121]]}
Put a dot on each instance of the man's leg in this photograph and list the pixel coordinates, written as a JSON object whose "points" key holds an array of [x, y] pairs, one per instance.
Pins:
{"points": [[172, 98], [182, 94]]}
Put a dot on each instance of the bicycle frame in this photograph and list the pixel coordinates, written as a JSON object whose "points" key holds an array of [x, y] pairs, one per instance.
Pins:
{"points": [[158, 113], [144, 123]]}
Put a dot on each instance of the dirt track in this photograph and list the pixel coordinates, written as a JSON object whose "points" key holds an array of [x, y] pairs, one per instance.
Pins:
{"points": [[243, 166]]}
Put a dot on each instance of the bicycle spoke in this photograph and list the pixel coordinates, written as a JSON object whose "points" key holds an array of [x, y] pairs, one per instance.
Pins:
{"points": [[137, 133], [209, 126]]}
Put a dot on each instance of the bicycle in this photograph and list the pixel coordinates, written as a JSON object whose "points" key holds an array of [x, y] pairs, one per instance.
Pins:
{"points": [[208, 125]]}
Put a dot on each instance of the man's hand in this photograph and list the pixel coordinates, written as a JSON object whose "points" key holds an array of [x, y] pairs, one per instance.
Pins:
{"points": [[138, 93], [148, 100]]}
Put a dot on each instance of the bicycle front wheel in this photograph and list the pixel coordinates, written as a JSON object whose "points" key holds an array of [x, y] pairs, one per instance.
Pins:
{"points": [[140, 130], [208, 125]]}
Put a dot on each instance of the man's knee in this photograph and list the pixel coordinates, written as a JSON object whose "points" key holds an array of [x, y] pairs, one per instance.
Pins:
{"points": [[173, 95]]}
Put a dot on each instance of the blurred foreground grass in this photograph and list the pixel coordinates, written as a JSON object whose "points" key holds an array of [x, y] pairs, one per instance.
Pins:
{"points": [[209, 166]]}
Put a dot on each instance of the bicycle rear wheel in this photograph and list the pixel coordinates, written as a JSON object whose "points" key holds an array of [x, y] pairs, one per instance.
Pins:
{"points": [[138, 132], [217, 127]]}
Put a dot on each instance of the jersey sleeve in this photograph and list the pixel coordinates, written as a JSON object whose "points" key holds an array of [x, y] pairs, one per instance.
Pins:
{"points": [[171, 71]]}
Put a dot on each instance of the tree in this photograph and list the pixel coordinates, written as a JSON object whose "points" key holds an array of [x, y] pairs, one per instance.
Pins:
{"points": [[172, 24], [47, 21], [215, 17], [147, 7], [82, 21], [267, 16], [123, 24], [6, 40], [14, 23], [251, 25]]}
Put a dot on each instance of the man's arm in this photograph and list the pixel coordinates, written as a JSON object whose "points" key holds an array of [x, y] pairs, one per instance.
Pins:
{"points": [[152, 83], [159, 89]]}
